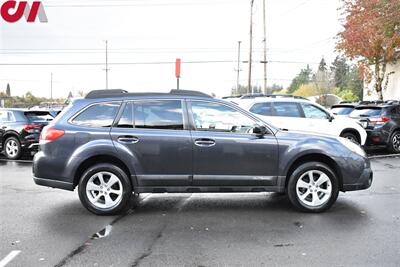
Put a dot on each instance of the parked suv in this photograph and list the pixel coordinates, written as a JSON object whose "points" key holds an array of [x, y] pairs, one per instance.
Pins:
{"points": [[303, 115], [113, 143], [382, 123], [20, 130]]}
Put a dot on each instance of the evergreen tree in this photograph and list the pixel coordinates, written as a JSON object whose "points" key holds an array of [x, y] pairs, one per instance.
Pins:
{"points": [[302, 78]]}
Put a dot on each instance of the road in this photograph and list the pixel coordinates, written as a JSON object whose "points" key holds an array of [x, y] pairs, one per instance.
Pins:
{"points": [[49, 227]]}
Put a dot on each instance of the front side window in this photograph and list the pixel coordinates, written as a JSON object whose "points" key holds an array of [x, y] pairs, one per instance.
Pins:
{"points": [[215, 117], [313, 112], [126, 120], [98, 115], [159, 114], [264, 109], [287, 109]]}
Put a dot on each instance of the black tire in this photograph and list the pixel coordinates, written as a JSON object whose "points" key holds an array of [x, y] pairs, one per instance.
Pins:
{"points": [[351, 136], [302, 170], [126, 197], [394, 143], [15, 153]]}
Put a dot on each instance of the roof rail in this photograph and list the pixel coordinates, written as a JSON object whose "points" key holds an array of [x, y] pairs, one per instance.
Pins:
{"points": [[189, 93], [251, 96], [105, 93]]}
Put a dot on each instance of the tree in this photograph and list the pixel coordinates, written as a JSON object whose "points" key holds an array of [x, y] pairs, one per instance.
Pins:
{"points": [[274, 88], [323, 84], [8, 90], [372, 35], [242, 90], [322, 65], [306, 90], [302, 78], [340, 71]]}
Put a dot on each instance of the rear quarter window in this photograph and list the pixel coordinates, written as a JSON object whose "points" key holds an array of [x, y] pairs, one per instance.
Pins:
{"points": [[100, 115], [366, 112]]}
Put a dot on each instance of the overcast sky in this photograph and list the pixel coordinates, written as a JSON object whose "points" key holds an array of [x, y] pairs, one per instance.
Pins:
{"points": [[150, 31]]}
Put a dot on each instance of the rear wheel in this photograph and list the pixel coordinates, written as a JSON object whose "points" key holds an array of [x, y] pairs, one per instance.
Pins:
{"points": [[12, 148], [105, 189], [394, 144], [313, 187]]}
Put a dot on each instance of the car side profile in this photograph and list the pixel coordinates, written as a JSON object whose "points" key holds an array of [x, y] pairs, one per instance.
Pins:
{"points": [[20, 130], [113, 144], [304, 115]]}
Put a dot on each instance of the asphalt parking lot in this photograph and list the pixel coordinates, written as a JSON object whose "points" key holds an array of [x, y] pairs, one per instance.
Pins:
{"points": [[48, 227]]}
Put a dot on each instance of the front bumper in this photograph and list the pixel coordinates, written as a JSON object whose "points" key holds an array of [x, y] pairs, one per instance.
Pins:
{"points": [[363, 182]]}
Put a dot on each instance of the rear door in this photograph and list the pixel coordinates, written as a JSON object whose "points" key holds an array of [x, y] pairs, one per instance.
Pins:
{"points": [[155, 131], [226, 152]]}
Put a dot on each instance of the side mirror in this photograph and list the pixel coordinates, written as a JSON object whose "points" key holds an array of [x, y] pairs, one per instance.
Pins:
{"points": [[260, 130], [331, 118]]}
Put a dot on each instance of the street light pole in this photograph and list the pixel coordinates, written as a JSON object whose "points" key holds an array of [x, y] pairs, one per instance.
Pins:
{"points": [[265, 48], [106, 64], [238, 69], [251, 45], [51, 87]]}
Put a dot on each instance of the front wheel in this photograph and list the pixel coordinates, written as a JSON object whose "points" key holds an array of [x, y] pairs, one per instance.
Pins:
{"points": [[313, 187], [105, 189], [350, 136]]}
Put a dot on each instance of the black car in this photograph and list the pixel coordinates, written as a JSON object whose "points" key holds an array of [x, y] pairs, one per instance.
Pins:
{"points": [[20, 131], [113, 143], [382, 123]]}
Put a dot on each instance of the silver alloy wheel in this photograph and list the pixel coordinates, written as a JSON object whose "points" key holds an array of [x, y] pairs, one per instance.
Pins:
{"points": [[352, 138], [314, 188], [396, 142], [104, 190], [12, 148]]}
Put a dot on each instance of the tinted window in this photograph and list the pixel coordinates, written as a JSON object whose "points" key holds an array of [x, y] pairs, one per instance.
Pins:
{"points": [[99, 115], [262, 109], [126, 120], [366, 112], [287, 109], [216, 117], [38, 116], [159, 114], [342, 110], [313, 112]]}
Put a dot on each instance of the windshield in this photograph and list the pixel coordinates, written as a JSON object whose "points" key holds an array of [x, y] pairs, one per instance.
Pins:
{"points": [[366, 112], [342, 110]]}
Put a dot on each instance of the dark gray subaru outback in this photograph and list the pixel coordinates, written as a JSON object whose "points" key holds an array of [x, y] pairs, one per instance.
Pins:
{"points": [[113, 144]]}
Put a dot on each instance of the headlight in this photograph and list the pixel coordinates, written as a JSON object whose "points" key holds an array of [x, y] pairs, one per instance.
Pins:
{"points": [[352, 146]]}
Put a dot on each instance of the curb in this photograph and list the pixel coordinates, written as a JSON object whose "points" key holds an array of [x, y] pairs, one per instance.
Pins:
{"points": [[384, 156]]}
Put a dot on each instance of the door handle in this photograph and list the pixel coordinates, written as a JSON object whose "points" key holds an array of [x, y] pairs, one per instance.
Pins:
{"points": [[204, 142], [128, 139]]}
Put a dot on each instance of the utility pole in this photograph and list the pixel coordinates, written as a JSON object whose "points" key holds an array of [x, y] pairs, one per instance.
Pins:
{"points": [[51, 87], [107, 69], [265, 48], [251, 45], [238, 69]]}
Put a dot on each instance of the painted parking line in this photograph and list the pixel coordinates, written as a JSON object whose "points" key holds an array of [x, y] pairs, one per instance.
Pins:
{"points": [[384, 156], [9, 257], [21, 161]]}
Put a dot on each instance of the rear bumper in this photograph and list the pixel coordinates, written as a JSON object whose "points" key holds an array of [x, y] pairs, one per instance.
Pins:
{"points": [[377, 137], [54, 183], [363, 182]]}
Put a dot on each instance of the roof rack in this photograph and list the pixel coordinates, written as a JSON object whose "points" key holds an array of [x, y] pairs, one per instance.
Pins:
{"points": [[252, 96], [119, 92], [105, 93]]}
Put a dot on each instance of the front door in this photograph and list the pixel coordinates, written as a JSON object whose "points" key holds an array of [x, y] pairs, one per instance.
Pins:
{"points": [[154, 131], [226, 152]]}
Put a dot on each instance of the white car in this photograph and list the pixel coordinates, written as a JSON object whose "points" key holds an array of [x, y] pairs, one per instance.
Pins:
{"points": [[303, 115]]}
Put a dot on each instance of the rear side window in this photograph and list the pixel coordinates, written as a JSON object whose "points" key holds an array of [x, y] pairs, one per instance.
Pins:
{"points": [[158, 114], [287, 109], [265, 109], [98, 115], [6, 116]]}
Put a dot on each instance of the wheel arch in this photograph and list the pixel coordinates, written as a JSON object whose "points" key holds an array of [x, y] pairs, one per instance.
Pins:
{"points": [[318, 157], [10, 134], [352, 131], [84, 165]]}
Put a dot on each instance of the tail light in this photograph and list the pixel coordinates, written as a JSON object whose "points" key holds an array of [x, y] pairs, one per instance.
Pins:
{"points": [[51, 134], [29, 127], [382, 119]]}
